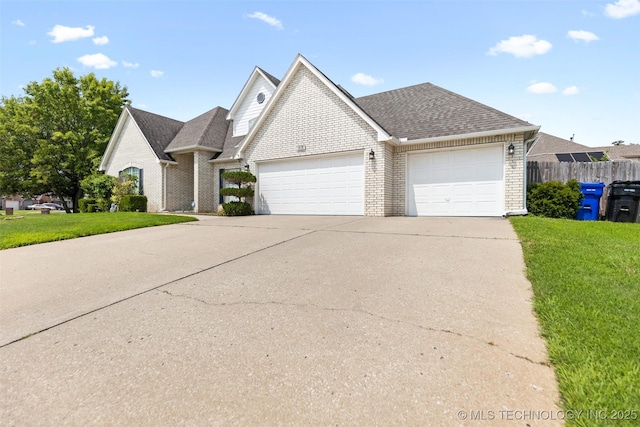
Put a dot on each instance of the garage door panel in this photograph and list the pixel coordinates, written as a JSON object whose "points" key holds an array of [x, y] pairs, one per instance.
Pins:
{"points": [[466, 182], [314, 186]]}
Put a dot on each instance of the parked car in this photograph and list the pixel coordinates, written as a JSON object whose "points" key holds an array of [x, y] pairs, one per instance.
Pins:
{"points": [[52, 206]]}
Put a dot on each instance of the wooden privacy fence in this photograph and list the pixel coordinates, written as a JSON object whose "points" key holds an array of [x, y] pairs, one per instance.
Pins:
{"points": [[606, 172]]}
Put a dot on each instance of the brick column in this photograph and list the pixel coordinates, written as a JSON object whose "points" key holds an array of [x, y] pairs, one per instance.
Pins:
{"points": [[203, 182]]}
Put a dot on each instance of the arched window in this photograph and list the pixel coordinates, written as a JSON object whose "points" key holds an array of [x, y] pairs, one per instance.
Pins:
{"points": [[139, 189]]}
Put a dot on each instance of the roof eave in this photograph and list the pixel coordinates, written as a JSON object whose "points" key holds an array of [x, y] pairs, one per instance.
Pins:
{"points": [[225, 160], [190, 148], [470, 135], [114, 137]]}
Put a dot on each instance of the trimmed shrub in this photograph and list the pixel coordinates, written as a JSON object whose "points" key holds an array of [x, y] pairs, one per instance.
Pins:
{"points": [[133, 203], [237, 192], [554, 199], [239, 177], [83, 204], [93, 207], [237, 209], [244, 190]]}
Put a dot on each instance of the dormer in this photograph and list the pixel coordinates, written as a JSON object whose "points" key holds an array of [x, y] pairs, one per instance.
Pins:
{"points": [[254, 96]]}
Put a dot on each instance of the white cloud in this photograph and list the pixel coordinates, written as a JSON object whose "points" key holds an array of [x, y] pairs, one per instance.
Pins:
{"points": [[157, 73], [542, 87], [60, 33], [586, 36], [366, 79], [524, 46], [274, 22], [98, 61], [622, 9], [571, 90], [130, 64], [587, 13], [18, 22], [101, 40]]}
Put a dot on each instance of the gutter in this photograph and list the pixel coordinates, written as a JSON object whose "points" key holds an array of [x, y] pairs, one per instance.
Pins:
{"points": [[404, 141], [193, 148]]}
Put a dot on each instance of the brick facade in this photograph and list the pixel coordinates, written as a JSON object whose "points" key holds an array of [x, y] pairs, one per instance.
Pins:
{"points": [[180, 183], [307, 119], [132, 150], [309, 114]]}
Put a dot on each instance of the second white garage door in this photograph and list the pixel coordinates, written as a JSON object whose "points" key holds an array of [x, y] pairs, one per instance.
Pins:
{"points": [[463, 182], [312, 186]]}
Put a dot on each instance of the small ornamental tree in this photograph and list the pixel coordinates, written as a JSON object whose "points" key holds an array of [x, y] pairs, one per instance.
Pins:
{"points": [[244, 189], [98, 187], [124, 186]]}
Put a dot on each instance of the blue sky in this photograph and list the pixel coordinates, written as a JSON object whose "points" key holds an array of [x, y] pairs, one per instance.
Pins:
{"points": [[571, 66]]}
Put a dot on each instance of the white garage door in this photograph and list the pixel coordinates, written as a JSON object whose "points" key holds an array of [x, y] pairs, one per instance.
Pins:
{"points": [[465, 182], [312, 186]]}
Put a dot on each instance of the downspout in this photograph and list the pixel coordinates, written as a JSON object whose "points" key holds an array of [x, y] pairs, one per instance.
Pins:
{"points": [[533, 139], [164, 187]]}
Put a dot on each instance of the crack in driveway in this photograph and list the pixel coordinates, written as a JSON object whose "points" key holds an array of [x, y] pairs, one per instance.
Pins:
{"points": [[355, 310]]}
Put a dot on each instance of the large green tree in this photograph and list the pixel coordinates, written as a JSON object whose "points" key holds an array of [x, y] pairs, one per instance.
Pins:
{"points": [[53, 137]]}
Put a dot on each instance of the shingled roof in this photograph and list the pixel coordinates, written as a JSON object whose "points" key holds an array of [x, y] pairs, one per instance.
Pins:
{"points": [[274, 80], [208, 130], [427, 111], [547, 146], [158, 130]]}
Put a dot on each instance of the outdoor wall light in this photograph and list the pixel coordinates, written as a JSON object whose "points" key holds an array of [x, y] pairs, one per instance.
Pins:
{"points": [[246, 167], [372, 155], [511, 149]]}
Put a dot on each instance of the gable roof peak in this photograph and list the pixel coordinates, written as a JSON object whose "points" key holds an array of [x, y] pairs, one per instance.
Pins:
{"points": [[255, 74], [206, 132]]}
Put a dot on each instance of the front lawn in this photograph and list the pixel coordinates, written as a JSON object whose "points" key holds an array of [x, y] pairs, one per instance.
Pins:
{"points": [[586, 283], [34, 227]]}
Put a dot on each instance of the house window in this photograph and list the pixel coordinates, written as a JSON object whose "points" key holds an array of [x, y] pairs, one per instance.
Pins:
{"points": [[139, 188], [226, 184]]}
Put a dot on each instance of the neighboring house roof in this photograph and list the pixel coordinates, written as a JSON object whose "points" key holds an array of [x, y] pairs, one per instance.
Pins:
{"points": [[549, 148], [621, 152], [206, 132], [158, 130], [427, 111], [545, 148]]}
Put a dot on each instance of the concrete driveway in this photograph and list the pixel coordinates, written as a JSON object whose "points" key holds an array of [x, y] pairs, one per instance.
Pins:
{"points": [[275, 320]]}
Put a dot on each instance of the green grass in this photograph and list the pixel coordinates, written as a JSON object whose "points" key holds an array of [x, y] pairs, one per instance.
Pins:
{"points": [[586, 283], [37, 228]]}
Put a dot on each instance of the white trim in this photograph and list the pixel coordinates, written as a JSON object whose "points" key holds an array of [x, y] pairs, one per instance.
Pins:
{"points": [[191, 148], [469, 135], [116, 135], [227, 160], [298, 62], [252, 78]]}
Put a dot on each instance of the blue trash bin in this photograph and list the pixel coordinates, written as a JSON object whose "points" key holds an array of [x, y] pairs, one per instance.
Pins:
{"points": [[590, 204]]}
